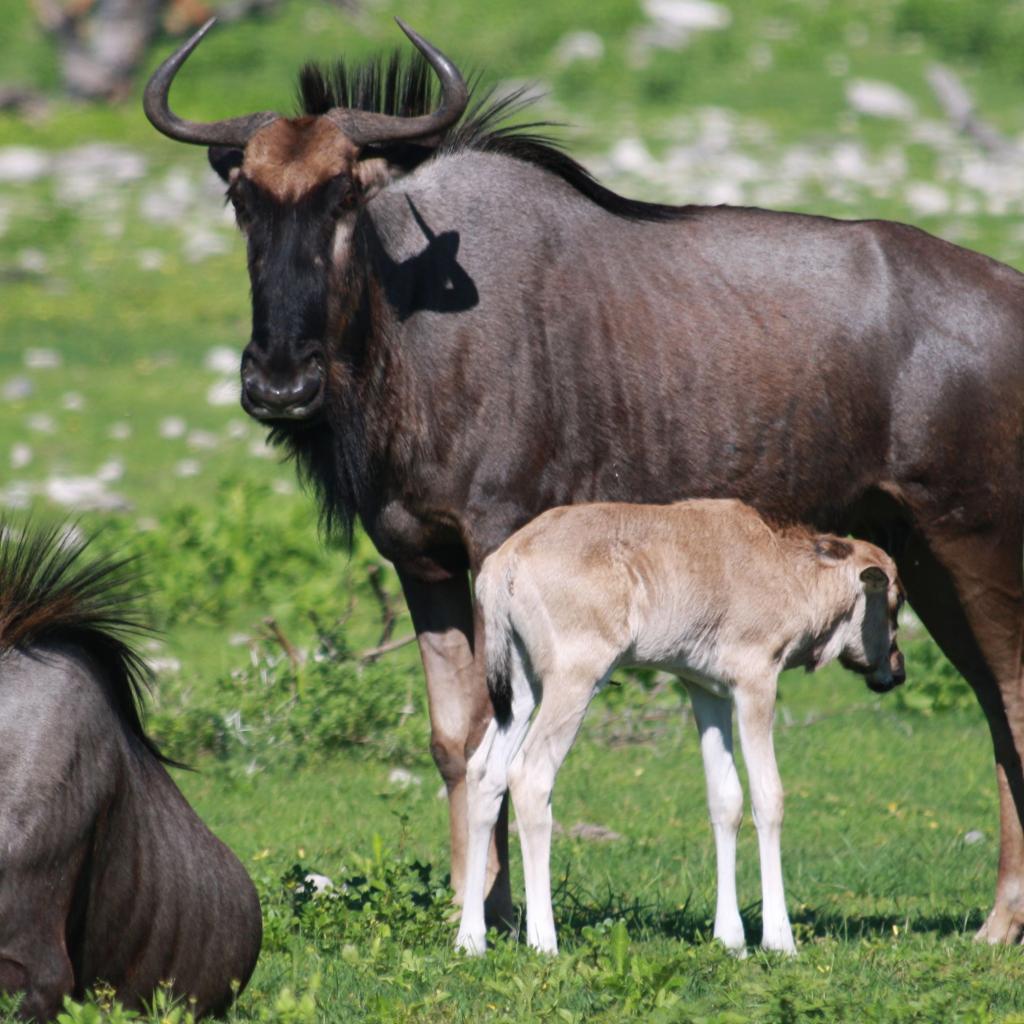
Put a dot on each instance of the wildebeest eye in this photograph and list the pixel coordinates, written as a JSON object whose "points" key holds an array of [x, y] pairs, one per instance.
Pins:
{"points": [[236, 196], [342, 195]]}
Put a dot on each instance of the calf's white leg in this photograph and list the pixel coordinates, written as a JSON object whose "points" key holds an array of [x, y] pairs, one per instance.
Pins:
{"points": [[755, 712], [725, 806], [486, 785], [531, 780]]}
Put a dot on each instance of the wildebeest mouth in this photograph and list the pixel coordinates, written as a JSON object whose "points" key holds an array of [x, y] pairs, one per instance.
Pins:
{"points": [[307, 411], [295, 395]]}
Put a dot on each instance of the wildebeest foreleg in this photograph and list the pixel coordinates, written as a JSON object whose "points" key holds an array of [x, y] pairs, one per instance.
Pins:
{"points": [[460, 711], [967, 591]]}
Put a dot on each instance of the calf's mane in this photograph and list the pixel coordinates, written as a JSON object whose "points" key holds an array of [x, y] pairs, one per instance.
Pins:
{"points": [[50, 594], [403, 86]]}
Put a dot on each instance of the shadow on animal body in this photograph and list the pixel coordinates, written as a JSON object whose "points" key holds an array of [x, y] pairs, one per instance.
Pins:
{"points": [[432, 280]]}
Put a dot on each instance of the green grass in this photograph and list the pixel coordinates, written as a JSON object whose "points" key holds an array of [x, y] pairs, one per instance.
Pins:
{"points": [[295, 765]]}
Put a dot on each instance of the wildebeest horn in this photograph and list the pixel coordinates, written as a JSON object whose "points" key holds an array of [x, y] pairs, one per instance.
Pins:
{"points": [[234, 132], [364, 128]]}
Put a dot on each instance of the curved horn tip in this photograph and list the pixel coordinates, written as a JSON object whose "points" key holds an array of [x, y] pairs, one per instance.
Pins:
{"points": [[194, 40], [410, 32]]}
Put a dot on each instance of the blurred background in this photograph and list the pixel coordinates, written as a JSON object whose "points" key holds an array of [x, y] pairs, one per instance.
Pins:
{"points": [[121, 269], [125, 297], [124, 309]]}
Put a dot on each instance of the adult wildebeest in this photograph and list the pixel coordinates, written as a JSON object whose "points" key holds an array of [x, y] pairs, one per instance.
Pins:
{"points": [[455, 328], [703, 588], [106, 872]]}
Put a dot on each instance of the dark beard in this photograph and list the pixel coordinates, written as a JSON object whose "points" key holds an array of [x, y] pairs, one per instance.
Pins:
{"points": [[332, 458]]}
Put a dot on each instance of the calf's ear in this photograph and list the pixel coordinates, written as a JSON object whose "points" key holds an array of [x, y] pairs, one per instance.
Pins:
{"points": [[874, 578], [224, 160]]}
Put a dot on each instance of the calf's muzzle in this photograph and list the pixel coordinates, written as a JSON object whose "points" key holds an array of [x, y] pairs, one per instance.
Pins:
{"points": [[889, 680]]}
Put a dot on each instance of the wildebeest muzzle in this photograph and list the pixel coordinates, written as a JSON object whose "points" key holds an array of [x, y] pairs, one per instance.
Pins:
{"points": [[294, 391]]}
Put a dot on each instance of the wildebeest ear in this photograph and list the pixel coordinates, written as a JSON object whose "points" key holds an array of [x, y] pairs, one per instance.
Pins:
{"points": [[224, 160], [832, 549], [874, 578]]}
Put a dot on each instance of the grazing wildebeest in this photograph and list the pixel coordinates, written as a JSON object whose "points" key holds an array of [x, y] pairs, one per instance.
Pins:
{"points": [[702, 588], [455, 328], [106, 872]]}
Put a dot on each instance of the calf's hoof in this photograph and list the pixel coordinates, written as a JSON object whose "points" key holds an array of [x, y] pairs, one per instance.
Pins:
{"points": [[547, 946], [733, 939], [782, 943], [471, 944]]}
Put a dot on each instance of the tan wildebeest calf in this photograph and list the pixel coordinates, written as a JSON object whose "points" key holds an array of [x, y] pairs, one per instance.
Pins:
{"points": [[704, 589]]}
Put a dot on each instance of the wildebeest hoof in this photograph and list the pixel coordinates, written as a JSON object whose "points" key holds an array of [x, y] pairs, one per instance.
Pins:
{"points": [[1003, 926]]}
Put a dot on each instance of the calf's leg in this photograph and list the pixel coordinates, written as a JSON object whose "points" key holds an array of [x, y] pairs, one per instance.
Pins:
{"points": [[532, 778], [755, 711], [460, 709], [486, 786], [725, 806]]}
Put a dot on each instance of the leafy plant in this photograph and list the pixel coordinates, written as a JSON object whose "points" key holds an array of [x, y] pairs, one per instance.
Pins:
{"points": [[247, 548], [397, 899], [933, 684], [294, 705]]}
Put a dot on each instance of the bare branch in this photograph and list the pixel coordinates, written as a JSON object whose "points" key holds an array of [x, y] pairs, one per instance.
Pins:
{"points": [[294, 656], [367, 657], [384, 603]]}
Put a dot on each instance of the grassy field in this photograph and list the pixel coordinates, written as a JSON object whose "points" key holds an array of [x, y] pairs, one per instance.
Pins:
{"points": [[124, 307]]}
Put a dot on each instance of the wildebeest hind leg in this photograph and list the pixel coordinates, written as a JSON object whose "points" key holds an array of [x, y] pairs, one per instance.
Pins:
{"points": [[967, 591], [460, 711]]}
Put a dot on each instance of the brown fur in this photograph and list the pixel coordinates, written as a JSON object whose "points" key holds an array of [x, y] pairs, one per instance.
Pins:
{"points": [[291, 157]]}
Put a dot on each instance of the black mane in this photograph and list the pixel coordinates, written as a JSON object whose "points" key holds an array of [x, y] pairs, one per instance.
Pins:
{"points": [[48, 594], [405, 86]]}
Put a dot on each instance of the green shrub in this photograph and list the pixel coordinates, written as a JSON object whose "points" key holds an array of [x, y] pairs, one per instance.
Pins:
{"points": [[282, 708], [380, 898], [250, 547], [933, 684]]}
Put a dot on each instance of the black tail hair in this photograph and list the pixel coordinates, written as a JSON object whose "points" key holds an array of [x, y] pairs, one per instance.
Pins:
{"points": [[49, 594], [494, 595], [499, 685]]}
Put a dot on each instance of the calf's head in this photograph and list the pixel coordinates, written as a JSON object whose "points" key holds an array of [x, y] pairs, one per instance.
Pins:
{"points": [[869, 646], [296, 185]]}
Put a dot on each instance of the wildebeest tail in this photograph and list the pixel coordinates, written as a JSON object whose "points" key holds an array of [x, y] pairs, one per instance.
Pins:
{"points": [[494, 593]]}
